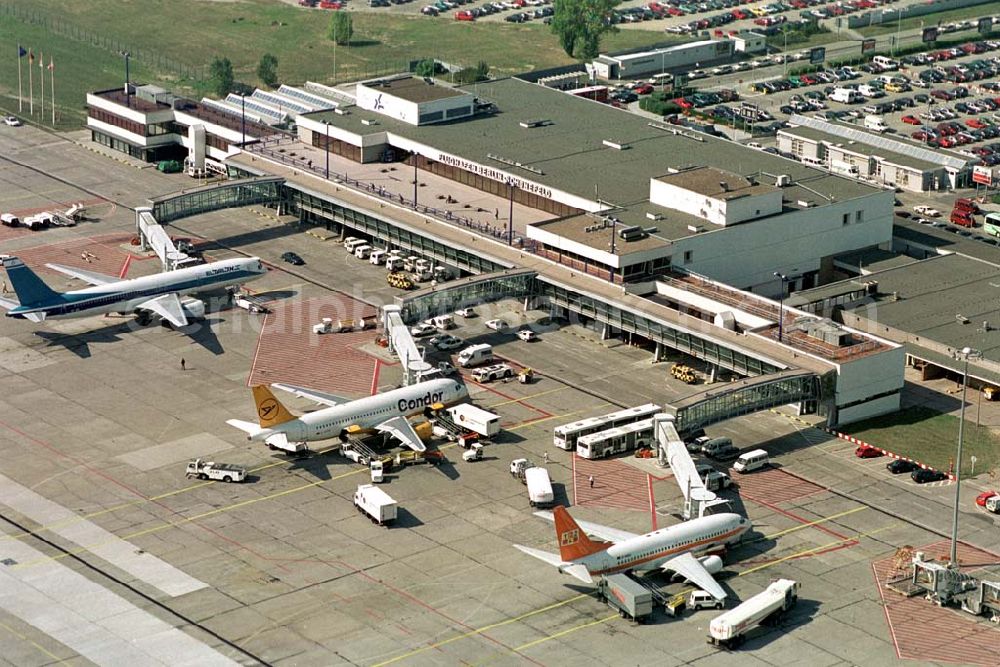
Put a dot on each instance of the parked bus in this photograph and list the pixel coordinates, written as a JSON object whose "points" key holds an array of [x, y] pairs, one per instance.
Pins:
{"points": [[566, 436], [991, 225], [636, 435]]}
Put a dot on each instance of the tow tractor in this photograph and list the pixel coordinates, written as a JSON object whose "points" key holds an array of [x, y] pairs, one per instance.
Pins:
{"points": [[226, 472]]}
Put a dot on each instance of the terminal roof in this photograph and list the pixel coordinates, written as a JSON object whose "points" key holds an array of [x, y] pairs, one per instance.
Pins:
{"points": [[716, 183], [413, 89]]}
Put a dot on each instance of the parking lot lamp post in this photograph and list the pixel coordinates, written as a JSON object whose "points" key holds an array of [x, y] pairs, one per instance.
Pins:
{"points": [[966, 353], [781, 304], [510, 215], [784, 57], [327, 147]]}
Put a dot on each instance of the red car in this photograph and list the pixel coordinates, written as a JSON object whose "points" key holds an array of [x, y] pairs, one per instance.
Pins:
{"points": [[643, 89], [983, 497], [326, 4], [683, 103], [911, 120], [464, 15], [868, 452], [975, 123]]}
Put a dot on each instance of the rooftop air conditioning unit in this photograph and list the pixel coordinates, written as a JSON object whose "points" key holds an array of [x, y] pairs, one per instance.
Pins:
{"points": [[784, 180], [368, 121], [804, 204], [654, 216]]}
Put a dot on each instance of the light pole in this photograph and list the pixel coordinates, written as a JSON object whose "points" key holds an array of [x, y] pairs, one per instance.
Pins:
{"points": [[781, 304], [327, 147], [966, 353], [414, 181], [126, 55], [510, 215]]}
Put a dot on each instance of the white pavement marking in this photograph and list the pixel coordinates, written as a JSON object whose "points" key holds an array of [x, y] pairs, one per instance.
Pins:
{"points": [[124, 555], [157, 456], [100, 625]]}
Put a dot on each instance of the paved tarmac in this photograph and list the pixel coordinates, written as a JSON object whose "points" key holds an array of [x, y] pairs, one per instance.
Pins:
{"points": [[97, 419]]}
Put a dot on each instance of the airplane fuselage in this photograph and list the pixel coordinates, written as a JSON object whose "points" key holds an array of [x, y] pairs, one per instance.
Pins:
{"points": [[366, 413], [126, 296], [650, 551]]}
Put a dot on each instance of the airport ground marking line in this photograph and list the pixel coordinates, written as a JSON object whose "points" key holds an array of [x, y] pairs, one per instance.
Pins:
{"points": [[186, 520], [557, 635], [480, 631], [814, 550], [525, 398], [135, 503], [33, 643], [550, 417], [811, 523]]}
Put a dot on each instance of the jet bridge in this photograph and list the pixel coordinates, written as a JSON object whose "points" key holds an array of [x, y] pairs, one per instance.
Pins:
{"points": [[152, 236], [672, 452], [402, 345]]}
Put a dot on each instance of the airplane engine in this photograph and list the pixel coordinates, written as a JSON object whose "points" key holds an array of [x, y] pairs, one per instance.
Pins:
{"points": [[711, 563], [194, 309]]}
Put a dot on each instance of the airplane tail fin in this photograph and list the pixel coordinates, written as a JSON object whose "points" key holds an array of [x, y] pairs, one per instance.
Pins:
{"points": [[270, 411], [573, 542], [30, 289]]}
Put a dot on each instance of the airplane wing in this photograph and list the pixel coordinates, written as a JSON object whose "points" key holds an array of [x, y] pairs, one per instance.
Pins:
{"points": [[311, 394], [574, 569], [688, 567], [169, 308], [86, 276], [402, 430], [596, 529]]}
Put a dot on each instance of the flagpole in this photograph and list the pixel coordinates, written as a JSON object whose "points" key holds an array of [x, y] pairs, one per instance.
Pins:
{"points": [[31, 86], [41, 66], [52, 74], [20, 89]]}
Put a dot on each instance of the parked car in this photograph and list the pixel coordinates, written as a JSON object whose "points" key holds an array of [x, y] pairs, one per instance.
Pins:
{"points": [[447, 342], [466, 312], [868, 452], [983, 497], [292, 258], [422, 329], [927, 211], [900, 466], [925, 475], [12, 121], [527, 335], [497, 325]]}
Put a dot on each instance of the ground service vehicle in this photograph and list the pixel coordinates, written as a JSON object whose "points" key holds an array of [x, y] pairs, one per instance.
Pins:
{"points": [[399, 281], [536, 479], [473, 453], [729, 629], [491, 373], [699, 599], [377, 257], [631, 599], [9, 220], [393, 264], [363, 251], [225, 472], [352, 242], [752, 460], [474, 355], [567, 435], [250, 303], [626, 438], [375, 503], [377, 468], [443, 322], [993, 504], [474, 419]]}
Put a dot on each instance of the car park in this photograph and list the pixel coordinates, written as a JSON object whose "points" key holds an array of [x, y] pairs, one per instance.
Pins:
{"points": [[926, 475]]}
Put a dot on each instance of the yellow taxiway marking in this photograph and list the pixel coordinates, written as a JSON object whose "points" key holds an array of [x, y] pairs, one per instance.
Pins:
{"points": [[557, 635], [135, 503], [806, 552], [33, 643], [529, 397], [811, 523], [180, 522], [478, 631], [532, 422]]}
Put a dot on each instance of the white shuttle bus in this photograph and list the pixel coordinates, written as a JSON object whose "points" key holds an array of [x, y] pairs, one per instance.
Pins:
{"points": [[566, 436], [618, 440]]}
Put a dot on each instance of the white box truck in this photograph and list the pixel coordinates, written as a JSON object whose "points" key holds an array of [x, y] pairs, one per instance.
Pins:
{"points": [[539, 487], [729, 629], [477, 420], [375, 503], [876, 124], [475, 355]]}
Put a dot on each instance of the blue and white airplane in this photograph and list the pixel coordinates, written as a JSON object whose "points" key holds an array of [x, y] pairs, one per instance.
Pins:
{"points": [[162, 294]]}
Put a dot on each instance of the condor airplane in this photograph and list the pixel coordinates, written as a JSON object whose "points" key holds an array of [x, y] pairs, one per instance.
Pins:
{"points": [[383, 413], [159, 294], [673, 549]]}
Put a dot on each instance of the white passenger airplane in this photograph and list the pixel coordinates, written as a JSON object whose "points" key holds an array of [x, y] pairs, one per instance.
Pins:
{"points": [[384, 413], [159, 294], [674, 548]]}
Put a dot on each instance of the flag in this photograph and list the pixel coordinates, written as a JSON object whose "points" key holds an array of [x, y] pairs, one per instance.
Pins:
{"points": [[21, 52], [31, 56], [52, 65], [20, 93]]}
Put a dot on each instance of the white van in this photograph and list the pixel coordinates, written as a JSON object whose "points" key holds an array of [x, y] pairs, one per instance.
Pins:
{"points": [[349, 242], [362, 251], [9, 220], [474, 355], [876, 123], [751, 461], [377, 257], [813, 161], [443, 322], [352, 244], [846, 96], [394, 263], [885, 62]]}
